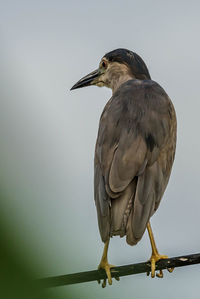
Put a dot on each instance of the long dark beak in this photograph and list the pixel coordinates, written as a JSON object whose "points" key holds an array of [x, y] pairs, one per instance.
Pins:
{"points": [[87, 80]]}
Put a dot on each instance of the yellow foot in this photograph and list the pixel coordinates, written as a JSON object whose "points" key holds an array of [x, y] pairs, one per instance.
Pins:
{"points": [[155, 258], [106, 266]]}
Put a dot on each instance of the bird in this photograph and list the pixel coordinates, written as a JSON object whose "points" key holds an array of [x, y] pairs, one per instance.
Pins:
{"points": [[134, 153]]}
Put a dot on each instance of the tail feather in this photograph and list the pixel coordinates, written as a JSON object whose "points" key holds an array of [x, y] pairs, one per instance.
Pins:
{"points": [[121, 208]]}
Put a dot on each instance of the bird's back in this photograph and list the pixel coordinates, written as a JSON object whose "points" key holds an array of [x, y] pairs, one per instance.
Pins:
{"points": [[133, 158]]}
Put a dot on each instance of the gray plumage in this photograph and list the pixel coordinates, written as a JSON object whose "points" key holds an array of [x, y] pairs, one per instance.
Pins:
{"points": [[135, 146], [133, 158]]}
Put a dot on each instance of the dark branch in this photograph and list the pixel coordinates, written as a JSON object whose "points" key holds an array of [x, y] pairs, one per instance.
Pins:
{"points": [[120, 271]]}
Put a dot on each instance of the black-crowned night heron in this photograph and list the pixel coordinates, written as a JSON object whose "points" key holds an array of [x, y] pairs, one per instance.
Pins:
{"points": [[134, 152]]}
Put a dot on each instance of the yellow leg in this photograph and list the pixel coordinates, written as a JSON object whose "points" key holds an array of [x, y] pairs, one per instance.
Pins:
{"points": [[105, 265], [155, 255]]}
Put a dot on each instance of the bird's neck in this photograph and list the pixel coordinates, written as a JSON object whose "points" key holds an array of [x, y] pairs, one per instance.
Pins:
{"points": [[116, 75], [118, 81]]}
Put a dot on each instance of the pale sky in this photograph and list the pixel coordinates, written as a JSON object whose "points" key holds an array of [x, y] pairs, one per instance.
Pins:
{"points": [[48, 135]]}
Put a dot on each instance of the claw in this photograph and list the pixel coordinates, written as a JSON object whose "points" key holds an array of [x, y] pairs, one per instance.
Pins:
{"points": [[104, 283], [117, 278], [170, 270], [155, 258], [160, 274], [106, 266]]}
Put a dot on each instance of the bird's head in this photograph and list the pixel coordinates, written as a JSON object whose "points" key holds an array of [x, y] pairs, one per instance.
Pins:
{"points": [[115, 68]]}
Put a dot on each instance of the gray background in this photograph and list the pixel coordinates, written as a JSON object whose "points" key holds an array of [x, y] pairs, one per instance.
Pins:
{"points": [[48, 133]]}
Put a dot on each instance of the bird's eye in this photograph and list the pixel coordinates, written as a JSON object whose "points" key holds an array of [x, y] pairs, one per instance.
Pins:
{"points": [[104, 64]]}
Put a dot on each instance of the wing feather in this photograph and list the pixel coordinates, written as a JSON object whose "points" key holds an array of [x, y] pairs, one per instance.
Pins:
{"points": [[134, 138]]}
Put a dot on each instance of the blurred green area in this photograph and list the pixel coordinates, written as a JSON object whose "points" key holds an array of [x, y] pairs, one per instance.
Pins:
{"points": [[17, 277]]}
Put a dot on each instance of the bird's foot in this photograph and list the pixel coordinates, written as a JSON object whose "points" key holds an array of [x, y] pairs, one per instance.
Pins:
{"points": [[155, 258], [106, 266]]}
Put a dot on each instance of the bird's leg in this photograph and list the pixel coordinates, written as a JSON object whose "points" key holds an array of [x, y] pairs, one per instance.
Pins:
{"points": [[155, 255], [105, 265]]}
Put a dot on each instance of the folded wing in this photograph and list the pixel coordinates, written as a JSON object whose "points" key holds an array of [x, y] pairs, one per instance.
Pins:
{"points": [[133, 158]]}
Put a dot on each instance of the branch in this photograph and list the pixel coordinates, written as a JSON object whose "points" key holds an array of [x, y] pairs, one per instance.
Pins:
{"points": [[173, 262]]}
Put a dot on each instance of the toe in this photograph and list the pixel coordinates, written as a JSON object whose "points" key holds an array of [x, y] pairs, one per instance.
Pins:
{"points": [[104, 283], [161, 257], [160, 274], [106, 266], [107, 269], [153, 268], [170, 269], [155, 258], [117, 278]]}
